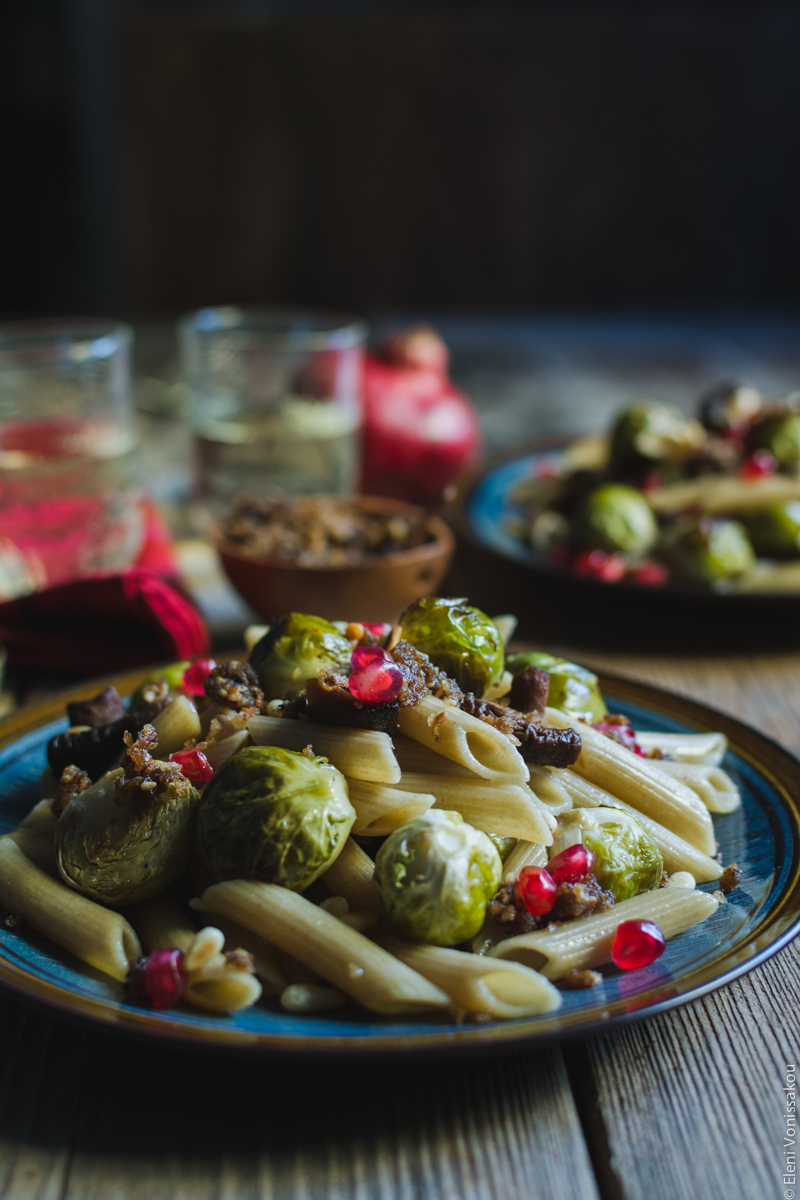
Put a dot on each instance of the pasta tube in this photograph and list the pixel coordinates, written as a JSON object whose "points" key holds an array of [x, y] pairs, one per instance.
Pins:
{"points": [[35, 835], [347, 959], [350, 876], [524, 854], [212, 980], [586, 942], [362, 753], [464, 739], [381, 809], [162, 924], [480, 985], [504, 808], [417, 759], [723, 494], [100, 937], [678, 855], [637, 781], [713, 785], [708, 748]]}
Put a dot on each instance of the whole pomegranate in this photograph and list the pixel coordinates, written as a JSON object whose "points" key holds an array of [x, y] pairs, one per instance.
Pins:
{"points": [[420, 431]]}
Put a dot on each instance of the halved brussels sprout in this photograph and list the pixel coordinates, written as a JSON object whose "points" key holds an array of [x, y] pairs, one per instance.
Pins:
{"points": [[626, 859], [459, 639], [780, 434], [617, 517], [436, 875], [775, 530], [119, 849], [274, 815], [648, 434], [703, 550], [297, 648], [574, 689]]}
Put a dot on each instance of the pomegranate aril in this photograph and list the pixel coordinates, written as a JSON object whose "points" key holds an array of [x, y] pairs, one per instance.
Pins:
{"points": [[379, 682], [650, 574], [571, 865], [362, 656], [378, 629], [637, 944], [193, 764], [195, 676], [624, 735], [760, 464], [538, 889], [608, 567], [163, 978]]}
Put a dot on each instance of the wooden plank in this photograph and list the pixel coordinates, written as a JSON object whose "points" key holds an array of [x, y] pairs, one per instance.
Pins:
{"points": [[39, 1094], [158, 1123]]}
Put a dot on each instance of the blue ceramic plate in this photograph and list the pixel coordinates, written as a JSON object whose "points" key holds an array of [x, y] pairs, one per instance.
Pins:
{"points": [[760, 917]]}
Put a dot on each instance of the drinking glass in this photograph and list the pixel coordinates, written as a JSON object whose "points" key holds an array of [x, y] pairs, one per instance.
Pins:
{"points": [[274, 402], [69, 501]]}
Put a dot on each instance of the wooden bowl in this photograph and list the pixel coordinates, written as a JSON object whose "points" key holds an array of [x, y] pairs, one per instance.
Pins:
{"points": [[376, 589]]}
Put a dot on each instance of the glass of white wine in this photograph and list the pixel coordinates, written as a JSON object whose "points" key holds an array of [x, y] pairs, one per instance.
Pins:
{"points": [[70, 505], [274, 399]]}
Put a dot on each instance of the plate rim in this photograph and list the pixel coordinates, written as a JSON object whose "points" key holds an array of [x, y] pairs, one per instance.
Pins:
{"points": [[772, 761]]}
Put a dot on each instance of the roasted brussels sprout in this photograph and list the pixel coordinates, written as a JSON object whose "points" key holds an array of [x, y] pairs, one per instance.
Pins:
{"points": [[703, 550], [297, 648], [459, 639], [574, 689], [730, 406], [626, 859], [503, 844], [436, 875], [650, 434], [274, 815], [616, 517], [775, 530], [118, 843], [780, 434]]}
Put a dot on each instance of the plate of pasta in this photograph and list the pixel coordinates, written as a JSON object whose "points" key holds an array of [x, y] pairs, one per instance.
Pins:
{"points": [[364, 839]]}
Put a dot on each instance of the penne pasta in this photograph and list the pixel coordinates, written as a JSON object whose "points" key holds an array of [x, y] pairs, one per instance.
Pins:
{"points": [[524, 854], [479, 984], [464, 739], [640, 784], [586, 943], [213, 981], [546, 785], [34, 836], [347, 959], [678, 855], [161, 923], [422, 760], [724, 494], [505, 808], [361, 753], [381, 809], [96, 935], [350, 876], [708, 748], [713, 785]]}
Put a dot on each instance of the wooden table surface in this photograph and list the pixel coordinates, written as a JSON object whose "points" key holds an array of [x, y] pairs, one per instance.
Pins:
{"points": [[687, 1104]]}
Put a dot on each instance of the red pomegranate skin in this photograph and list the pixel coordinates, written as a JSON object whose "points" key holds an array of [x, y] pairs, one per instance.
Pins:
{"points": [[420, 431]]}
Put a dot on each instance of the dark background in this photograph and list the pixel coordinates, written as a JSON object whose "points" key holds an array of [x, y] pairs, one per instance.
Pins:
{"points": [[543, 155]]}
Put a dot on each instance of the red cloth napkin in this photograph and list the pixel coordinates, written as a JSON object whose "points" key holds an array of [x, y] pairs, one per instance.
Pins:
{"points": [[110, 622]]}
